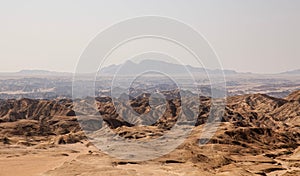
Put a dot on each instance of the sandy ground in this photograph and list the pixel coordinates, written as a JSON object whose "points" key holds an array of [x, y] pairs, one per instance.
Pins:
{"points": [[82, 159], [22, 160]]}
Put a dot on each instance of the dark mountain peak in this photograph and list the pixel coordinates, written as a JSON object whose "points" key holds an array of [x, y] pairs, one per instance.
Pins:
{"points": [[129, 68]]}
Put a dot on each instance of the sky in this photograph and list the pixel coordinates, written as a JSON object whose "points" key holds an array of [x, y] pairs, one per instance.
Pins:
{"points": [[247, 35]]}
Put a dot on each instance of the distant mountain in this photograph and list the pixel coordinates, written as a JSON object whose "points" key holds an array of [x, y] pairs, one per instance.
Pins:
{"points": [[41, 72], [35, 73], [292, 72], [131, 68]]}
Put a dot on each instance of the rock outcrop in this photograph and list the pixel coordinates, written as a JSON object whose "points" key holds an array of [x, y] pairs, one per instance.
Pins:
{"points": [[256, 118]]}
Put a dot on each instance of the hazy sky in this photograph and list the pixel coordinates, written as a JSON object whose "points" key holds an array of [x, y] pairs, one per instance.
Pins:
{"points": [[248, 35]]}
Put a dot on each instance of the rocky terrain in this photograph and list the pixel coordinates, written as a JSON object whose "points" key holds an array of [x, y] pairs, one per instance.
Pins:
{"points": [[258, 135]]}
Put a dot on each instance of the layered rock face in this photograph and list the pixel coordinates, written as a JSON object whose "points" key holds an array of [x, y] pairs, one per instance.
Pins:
{"points": [[248, 120], [14, 110], [29, 118], [263, 120], [256, 118]]}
